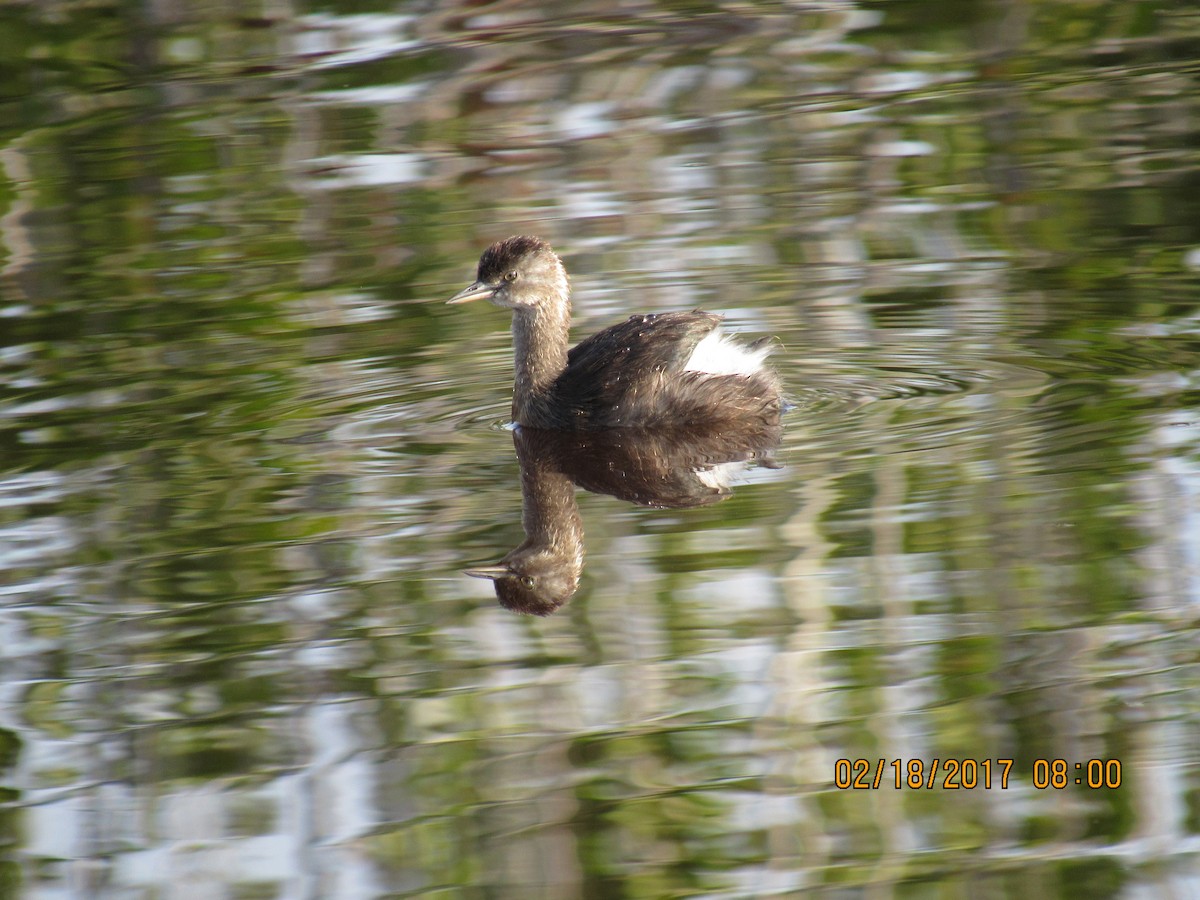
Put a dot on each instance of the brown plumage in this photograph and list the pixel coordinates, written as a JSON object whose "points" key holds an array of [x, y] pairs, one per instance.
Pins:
{"points": [[665, 370], [678, 468]]}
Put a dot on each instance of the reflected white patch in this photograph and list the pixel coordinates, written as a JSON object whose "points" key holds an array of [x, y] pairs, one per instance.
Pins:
{"points": [[719, 354], [722, 475]]}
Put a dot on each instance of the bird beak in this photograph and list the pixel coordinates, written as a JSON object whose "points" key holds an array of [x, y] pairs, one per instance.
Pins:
{"points": [[474, 292], [492, 572]]}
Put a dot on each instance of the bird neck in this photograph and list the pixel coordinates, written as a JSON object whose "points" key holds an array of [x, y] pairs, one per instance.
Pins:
{"points": [[540, 335], [549, 513]]}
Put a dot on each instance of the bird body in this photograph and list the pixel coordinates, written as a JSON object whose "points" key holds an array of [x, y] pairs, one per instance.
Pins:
{"points": [[663, 370]]}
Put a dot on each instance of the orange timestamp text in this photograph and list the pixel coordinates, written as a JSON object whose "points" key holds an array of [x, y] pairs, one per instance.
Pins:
{"points": [[969, 774]]}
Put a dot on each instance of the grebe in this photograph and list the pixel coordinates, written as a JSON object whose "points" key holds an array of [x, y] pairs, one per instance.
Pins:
{"points": [[664, 370]]}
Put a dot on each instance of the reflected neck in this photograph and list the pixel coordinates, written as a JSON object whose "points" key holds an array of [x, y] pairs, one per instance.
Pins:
{"points": [[540, 335], [549, 513]]}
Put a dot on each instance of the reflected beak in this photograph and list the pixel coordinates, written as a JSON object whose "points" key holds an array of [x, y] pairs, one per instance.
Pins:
{"points": [[476, 291], [492, 572]]}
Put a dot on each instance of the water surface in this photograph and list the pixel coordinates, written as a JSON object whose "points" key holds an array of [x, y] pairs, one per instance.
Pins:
{"points": [[246, 453]]}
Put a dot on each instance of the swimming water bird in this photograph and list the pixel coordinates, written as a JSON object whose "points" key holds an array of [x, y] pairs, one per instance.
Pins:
{"points": [[664, 370]]}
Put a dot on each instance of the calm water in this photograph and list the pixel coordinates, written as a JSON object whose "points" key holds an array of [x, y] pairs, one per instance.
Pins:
{"points": [[246, 453]]}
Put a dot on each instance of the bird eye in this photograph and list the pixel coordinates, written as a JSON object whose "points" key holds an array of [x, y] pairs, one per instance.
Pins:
{"points": [[527, 581], [511, 276]]}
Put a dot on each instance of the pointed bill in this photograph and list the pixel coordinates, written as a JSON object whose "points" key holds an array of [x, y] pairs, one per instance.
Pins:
{"points": [[492, 572], [476, 291]]}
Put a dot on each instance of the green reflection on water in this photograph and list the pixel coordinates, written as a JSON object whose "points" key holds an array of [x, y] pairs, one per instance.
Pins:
{"points": [[244, 454]]}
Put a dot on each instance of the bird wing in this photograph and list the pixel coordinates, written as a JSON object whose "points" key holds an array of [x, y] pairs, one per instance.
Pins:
{"points": [[641, 345], [634, 374]]}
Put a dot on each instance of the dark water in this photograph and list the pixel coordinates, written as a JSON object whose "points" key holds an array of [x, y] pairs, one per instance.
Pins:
{"points": [[246, 452]]}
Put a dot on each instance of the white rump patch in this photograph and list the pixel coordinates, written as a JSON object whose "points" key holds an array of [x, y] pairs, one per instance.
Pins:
{"points": [[722, 475], [719, 354]]}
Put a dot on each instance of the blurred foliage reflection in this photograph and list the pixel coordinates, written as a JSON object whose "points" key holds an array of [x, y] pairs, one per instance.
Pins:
{"points": [[245, 453]]}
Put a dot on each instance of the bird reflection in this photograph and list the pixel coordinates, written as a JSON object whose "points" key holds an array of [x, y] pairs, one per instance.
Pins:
{"points": [[678, 469]]}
